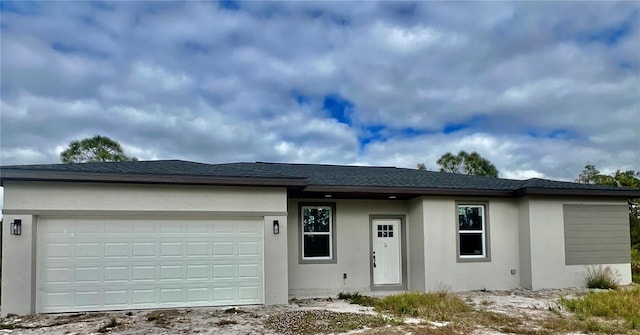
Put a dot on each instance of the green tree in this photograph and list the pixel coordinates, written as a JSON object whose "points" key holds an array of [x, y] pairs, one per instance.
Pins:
{"points": [[422, 167], [95, 149], [466, 163], [629, 178]]}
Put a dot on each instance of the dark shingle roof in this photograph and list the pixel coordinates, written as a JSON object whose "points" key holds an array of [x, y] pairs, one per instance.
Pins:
{"points": [[163, 167], [374, 176], [313, 177]]}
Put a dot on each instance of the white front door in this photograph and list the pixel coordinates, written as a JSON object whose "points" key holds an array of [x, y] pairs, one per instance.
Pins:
{"points": [[386, 255]]}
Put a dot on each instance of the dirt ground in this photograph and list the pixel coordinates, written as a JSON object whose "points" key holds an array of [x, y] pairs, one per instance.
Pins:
{"points": [[247, 320]]}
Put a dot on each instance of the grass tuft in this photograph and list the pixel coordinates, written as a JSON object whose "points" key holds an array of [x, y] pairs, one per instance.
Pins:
{"points": [[601, 277], [623, 304], [635, 265], [225, 322], [358, 299], [434, 306], [109, 326]]}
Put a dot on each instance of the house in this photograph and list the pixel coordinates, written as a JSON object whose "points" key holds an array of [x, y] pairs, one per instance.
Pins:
{"points": [[151, 234]]}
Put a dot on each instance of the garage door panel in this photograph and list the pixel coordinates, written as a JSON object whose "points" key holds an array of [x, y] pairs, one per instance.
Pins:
{"points": [[88, 250], [88, 275], [171, 249], [198, 249], [116, 298], [248, 293], [117, 250], [116, 274], [57, 275], [198, 272], [199, 294], [249, 248], [144, 249], [148, 263], [57, 251], [120, 227]]}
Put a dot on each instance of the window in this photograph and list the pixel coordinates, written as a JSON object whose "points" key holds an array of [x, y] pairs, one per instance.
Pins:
{"points": [[385, 230], [472, 232], [317, 232]]}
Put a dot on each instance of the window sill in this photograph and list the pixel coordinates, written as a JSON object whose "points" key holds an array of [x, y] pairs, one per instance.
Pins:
{"points": [[317, 261], [483, 259]]}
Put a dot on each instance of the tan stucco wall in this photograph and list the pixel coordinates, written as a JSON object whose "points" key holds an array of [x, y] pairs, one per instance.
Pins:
{"points": [[51, 196], [524, 243], [546, 228], [18, 264], [442, 269], [276, 279], [352, 224], [28, 200], [416, 245]]}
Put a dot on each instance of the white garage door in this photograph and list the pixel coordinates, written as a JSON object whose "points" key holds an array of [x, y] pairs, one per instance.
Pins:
{"points": [[87, 264]]}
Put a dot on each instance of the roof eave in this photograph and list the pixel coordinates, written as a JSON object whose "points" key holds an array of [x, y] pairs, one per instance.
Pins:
{"points": [[620, 193], [62, 176], [415, 191]]}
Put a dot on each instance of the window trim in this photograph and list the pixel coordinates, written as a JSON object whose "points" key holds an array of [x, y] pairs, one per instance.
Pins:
{"points": [[332, 235], [486, 256]]}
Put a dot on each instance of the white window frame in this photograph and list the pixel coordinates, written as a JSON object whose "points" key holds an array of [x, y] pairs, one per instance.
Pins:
{"points": [[318, 259], [484, 232]]}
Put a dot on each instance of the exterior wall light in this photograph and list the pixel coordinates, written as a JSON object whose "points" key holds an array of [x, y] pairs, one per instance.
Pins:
{"points": [[276, 227], [16, 227]]}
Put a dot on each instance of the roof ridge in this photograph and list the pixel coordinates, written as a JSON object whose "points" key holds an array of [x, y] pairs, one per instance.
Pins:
{"points": [[326, 164]]}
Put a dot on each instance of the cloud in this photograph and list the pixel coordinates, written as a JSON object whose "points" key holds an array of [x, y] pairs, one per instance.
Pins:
{"points": [[540, 89]]}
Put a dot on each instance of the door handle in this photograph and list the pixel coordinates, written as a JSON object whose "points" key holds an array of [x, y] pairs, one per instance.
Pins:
{"points": [[374, 259]]}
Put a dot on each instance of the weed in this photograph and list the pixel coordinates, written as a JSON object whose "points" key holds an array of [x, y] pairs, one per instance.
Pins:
{"points": [[234, 310], [163, 317], [225, 322], [486, 302], [434, 306], [601, 277], [441, 289], [12, 326], [358, 299], [623, 304], [635, 265], [109, 326]]}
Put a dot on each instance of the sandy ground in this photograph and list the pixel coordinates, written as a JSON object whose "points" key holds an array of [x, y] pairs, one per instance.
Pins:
{"points": [[251, 319]]}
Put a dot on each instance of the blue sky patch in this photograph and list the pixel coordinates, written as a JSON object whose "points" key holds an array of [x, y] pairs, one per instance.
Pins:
{"points": [[612, 35], [315, 13], [338, 107], [229, 4], [380, 133], [20, 7], [374, 133], [453, 127], [560, 133], [300, 98], [196, 47], [103, 5], [411, 132], [475, 122], [74, 49], [406, 9]]}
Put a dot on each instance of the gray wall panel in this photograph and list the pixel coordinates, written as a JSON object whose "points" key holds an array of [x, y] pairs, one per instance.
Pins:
{"points": [[596, 234]]}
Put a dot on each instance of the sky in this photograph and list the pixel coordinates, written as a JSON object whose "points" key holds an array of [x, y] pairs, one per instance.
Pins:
{"points": [[538, 88]]}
